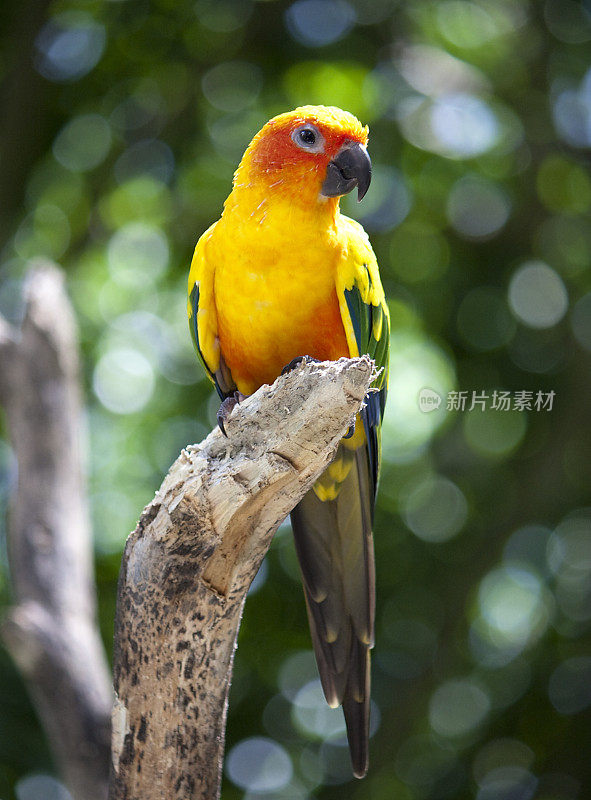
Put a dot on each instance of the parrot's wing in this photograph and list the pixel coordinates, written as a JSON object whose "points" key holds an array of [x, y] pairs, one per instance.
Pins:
{"points": [[203, 319], [366, 320], [332, 524]]}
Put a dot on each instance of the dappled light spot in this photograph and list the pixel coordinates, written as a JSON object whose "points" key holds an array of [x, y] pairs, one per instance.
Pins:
{"points": [[455, 125], [259, 764], [137, 253], [527, 546], [434, 72], [114, 514], [457, 707], [315, 23], [142, 198], [69, 46], [435, 510], [311, 769], [464, 125], [500, 753], [569, 548], [83, 143], [146, 157], [232, 85], [231, 132], [572, 114], [469, 25], [161, 343], [508, 783], [297, 670], [477, 208], [123, 380], [138, 109], [494, 433], [388, 203], [313, 716], [537, 295], [514, 607], [490, 653], [569, 558], [414, 364], [41, 787], [346, 84]]}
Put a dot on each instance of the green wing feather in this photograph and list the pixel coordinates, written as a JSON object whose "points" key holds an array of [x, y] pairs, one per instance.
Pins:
{"points": [[221, 376], [333, 523], [203, 320]]}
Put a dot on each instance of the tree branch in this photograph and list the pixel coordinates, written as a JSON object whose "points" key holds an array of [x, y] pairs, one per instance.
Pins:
{"points": [[188, 566], [51, 632]]}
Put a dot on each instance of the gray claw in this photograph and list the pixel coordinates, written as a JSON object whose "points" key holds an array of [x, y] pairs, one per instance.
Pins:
{"points": [[226, 408]]}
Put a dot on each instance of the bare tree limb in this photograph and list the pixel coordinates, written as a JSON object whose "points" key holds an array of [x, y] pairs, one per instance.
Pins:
{"points": [[51, 631], [188, 566]]}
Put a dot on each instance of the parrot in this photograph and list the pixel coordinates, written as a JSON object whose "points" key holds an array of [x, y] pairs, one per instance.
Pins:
{"points": [[283, 276]]}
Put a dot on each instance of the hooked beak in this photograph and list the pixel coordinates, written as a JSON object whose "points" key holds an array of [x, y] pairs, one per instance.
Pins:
{"points": [[350, 168]]}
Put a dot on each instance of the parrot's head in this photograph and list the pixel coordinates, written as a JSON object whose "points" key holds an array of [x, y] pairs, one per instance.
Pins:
{"points": [[313, 152]]}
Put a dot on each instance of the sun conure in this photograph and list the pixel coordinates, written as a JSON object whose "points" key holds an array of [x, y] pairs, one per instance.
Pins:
{"points": [[283, 274]]}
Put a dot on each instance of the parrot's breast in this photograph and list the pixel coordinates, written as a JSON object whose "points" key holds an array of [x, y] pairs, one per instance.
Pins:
{"points": [[274, 303]]}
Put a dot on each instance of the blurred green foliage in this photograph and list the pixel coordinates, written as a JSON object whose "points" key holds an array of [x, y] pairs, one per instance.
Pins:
{"points": [[123, 124]]}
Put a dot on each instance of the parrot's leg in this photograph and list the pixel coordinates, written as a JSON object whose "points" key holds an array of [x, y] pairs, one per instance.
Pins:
{"points": [[226, 409], [297, 361]]}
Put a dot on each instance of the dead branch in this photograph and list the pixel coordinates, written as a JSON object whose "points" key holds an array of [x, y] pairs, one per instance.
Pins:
{"points": [[188, 566], [51, 631]]}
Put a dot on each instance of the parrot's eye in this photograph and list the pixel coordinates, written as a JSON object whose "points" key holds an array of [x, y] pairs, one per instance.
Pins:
{"points": [[309, 138]]}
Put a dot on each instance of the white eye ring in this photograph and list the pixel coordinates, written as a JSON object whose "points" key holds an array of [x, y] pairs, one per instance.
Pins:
{"points": [[308, 137]]}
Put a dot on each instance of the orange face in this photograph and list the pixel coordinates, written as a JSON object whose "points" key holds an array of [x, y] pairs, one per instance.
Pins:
{"points": [[301, 144]]}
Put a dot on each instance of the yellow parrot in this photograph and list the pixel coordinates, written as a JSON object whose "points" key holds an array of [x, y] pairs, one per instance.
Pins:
{"points": [[281, 275]]}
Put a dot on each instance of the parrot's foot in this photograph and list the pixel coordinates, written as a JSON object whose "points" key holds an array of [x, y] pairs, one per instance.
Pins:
{"points": [[299, 360], [350, 431], [226, 409]]}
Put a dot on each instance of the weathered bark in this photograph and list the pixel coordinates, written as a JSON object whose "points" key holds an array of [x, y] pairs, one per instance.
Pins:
{"points": [[51, 631], [188, 566]]}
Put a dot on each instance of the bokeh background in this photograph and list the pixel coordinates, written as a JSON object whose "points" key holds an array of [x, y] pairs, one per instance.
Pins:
{"points": [[122, 125]]}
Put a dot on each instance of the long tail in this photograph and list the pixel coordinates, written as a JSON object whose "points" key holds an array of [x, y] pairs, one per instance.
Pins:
{"points": [[332, 530]]}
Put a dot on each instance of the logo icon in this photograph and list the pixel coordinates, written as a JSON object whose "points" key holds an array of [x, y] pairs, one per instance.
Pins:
{"points": [[429, 400]]}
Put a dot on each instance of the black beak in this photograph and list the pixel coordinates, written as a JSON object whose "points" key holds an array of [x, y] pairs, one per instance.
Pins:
{"points": [[350, 168]]}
